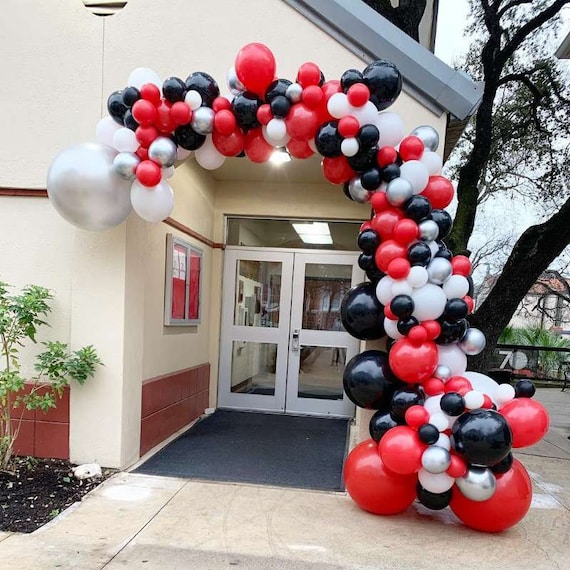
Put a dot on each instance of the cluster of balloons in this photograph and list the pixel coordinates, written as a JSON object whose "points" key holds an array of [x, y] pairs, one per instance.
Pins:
{"points": [[440, 434]]}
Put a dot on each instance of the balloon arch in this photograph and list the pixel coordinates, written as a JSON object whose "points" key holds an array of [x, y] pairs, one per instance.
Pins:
{"points": [[440, 434]]}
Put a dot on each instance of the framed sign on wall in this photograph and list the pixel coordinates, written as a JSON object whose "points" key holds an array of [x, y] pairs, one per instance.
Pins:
{"points": [[182, 282]]}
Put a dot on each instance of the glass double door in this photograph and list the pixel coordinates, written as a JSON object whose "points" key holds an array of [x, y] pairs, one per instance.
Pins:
{"points": [[283, 346]]}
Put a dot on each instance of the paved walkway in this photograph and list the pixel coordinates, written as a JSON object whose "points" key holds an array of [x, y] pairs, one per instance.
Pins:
{"points": [[142, 522]]}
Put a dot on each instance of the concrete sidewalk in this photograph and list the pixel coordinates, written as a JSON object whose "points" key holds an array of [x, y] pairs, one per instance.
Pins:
{"points": [[137, 521]]}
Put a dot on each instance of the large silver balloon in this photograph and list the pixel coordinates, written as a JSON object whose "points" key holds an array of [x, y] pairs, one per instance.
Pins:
{"points": [[429, 230], [357, 192], [473, 342], [399, 191], [85, 189], [436, 459], [203, 120], [125, 164], [478, 484], [439, 269], [294, 92], [428, 135], [234, 84], [163, 151]]}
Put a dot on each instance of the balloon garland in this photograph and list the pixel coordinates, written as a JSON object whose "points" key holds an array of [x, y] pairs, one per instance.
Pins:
{"points": [[440, 434]]}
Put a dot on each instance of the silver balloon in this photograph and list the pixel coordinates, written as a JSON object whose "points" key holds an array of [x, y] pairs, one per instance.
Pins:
{"points": [[203, 120], [478, 484], [163, 150], [429, 230], [428, 135], [294, 92], [436, 459], [357, 192], [399, 191], [442, 372], [125, 164], [85, 189], [439, 269], [473, 342], [234, 84]]}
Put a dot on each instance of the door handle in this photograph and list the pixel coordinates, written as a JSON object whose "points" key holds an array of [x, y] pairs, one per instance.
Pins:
{"points": [[295, 341]]}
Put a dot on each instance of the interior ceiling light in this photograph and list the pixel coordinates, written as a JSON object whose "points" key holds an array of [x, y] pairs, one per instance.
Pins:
{"points": [[313, 232], [280, 156]]}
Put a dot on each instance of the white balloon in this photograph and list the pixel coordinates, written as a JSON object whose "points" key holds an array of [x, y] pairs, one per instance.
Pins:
{"points": [[504, 393], [434, 247], [85, 189], [313, 145], [456, 287], [435, 482], [429, 302], [439, 420], [432, 161], [384, 290], [418, 276], [193, 99], [444, 441], [482, 383], [276, 134], [432, 404], [182, 153], [141, 76], [152, 204], [338, 105], [416, 173], [105, 130], [474, 399], [208, 156], [125, 140], [401, 287], [366, 114], [452, 357], [350, 146], [168, 172], [391, 328], [391, 128]]}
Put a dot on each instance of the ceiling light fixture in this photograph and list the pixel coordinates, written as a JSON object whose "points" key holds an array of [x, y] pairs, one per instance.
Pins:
{"points": [[280, 156], [313, 232]]}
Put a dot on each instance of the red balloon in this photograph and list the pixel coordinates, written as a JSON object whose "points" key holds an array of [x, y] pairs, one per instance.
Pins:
{"points": [[180, 113], [457, 467], [411, 148], [401, 450], [145, 135], [405, 231], [379, 202], [398, 268], [458, 384], [433, 329], [508, 505], [255, 67], [144, 112], [299, 149], [386, 155], [348, 126], [148, 173], [389, 314], [413, 363], [528, 420], [487, 402], [461, 265], [221, 103], [439, 191], [417, 335], [433, 386], [372, 486], [308, 74], [229, 145], [364, 226], [470, 303], [163, 121], [256, 147], [224, 122], [330, 88], [142, 152], [337, 170], [313, 96], [358, 94], [383, 222], [150, 92], [264, 114], [416, 416], [387, 251], [302, 122]]}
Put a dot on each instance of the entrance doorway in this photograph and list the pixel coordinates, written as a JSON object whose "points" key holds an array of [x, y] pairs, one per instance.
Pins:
{"points": [[283, 346]]}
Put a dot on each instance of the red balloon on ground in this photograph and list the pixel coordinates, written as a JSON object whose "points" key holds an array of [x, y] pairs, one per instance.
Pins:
{"points": [[433, 386], [221, 103], [256, 147], [255, 67], [405, 231], [401, 450], [439, 191], [418, 335], [163, 121], [365, 226], [470, 303], [372, 486], [330, 88], [433, 329], [264, 114], [411, 148], [508, 505], [398, 268], [299, 149], [413, 364], [458, 384], [145, 135], [528, 420], [457, 467], [302, 122], [337, 170]]}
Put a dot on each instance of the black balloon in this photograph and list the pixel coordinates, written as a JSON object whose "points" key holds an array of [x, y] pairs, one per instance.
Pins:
{"points": [[402, 306], [130, 96], [419, 253], [188, 138], [481, 437], [366, 261], [433, 501], [380, 423], [524, 389], [368, 381], [471, 286], [327, 140], [174, 89], [390, 172], [374, 274], [364, 159], [444, 252], [404, 399], [205, 85], [117, 107], [504, 465], [371, 178], [428, 433], [368, 136], [452, 404], [349, 78], [361, 313], [346, 191], [129, 121], [404, 326], [455, 310], [368, 241], [418, 208], [384, 81], [443, 220], [245, 106], [277, 88], [451, 332], [280, 106]]}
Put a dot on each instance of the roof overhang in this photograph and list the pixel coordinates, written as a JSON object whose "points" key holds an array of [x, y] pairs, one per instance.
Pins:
{"points": [[563, 52]]}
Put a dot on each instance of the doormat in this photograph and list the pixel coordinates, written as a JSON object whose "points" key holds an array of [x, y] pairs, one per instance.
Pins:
{"points": [[248, 447]]}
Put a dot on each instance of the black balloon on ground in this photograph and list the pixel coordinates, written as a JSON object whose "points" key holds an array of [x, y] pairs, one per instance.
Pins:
{"points": [[455, 310], [452, 404], [434, 501], [277, 88], [371, 178], [402, 306], [419, 253], [280, 106], [524, 389], [368, 136], [404, 326], [380, 423], [390, 172], [364, 159], [361, 313], [130, 96]]}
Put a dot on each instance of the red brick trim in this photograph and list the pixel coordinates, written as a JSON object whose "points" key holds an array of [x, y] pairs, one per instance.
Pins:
{"points": [[171, 401], [27, 192]]}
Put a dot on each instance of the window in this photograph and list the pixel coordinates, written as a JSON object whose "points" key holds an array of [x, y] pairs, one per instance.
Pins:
{"points": [[182, 286]]}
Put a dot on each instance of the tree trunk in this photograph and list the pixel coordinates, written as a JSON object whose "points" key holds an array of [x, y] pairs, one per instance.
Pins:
{"points": [[406, 16], [534, 251]]}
